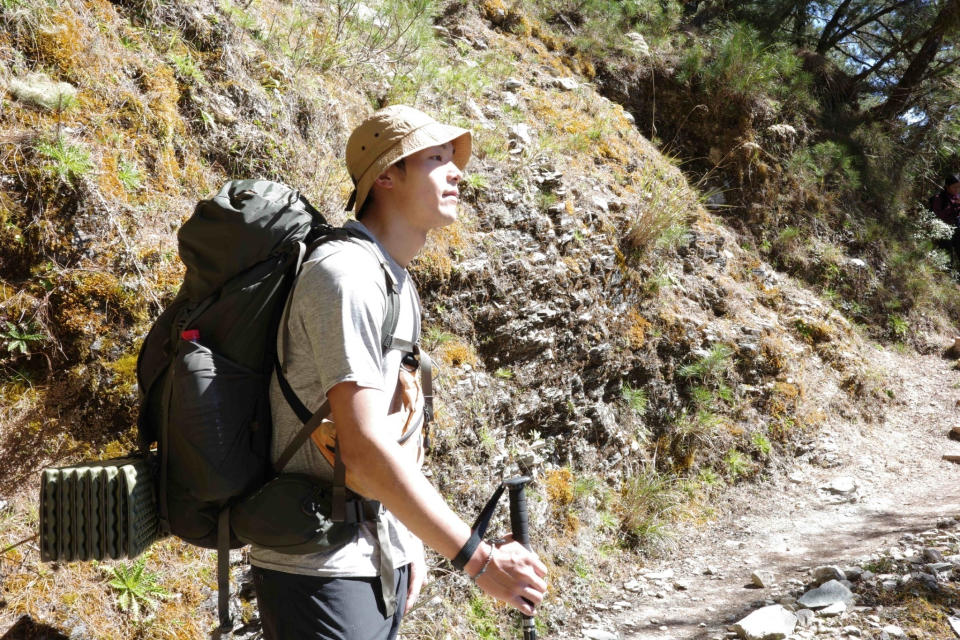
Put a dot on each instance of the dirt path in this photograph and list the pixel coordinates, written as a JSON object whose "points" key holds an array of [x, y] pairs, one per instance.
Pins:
{"points": [[788, 525]]}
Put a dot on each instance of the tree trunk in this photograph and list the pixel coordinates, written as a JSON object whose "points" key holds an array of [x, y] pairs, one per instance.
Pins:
{"points": [[826, 36]]}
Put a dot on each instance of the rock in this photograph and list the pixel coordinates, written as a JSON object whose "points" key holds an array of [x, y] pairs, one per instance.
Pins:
{"points": [[834, 610], [520, 137], [762, 579], [769, 623], [512, 84], [894, 631], [805, 617], [634, 586], [853, 574], [825, 595], [565, 84], [666, 574], [827, 573], [842, 486], [931, 554], [939, 567]]}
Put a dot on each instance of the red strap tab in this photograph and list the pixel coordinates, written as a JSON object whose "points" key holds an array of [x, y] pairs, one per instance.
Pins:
{"points": [[190, 334]]}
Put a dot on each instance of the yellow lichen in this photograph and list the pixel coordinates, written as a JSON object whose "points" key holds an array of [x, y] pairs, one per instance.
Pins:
{"points": [[559, 485], [637, 327], [456, 352]]}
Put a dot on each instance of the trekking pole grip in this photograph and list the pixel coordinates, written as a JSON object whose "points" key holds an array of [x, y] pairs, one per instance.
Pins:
{"points": [[520, 527]]}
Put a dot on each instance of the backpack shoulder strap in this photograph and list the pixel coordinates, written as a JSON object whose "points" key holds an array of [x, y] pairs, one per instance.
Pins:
{"points": [[389, 342]]}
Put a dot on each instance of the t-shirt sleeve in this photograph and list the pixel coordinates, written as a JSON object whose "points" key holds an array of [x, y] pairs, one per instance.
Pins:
{"points": [[340, 310]]}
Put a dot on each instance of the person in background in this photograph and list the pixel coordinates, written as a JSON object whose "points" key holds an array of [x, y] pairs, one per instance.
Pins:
{"points": [[946, 206]]}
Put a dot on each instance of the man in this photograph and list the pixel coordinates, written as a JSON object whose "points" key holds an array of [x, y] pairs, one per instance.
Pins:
{"points": [[406, 168], [946, 206]]}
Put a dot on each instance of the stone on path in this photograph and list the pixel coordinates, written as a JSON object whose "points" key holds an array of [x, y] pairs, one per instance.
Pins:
{"points": [[828, 573], [834, 610], [826, 594], [841, 486], [769, 623], [894, 631], [954, 624], [805, 617], [762, 579]]}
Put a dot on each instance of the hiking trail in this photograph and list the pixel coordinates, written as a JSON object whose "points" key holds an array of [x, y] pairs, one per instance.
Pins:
{"points": [[788, 524]]}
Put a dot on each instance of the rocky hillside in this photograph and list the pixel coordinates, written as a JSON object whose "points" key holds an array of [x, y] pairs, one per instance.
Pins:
{"points": [[597, 327]]}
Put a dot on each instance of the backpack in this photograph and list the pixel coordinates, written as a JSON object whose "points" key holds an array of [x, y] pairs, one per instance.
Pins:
{"points": [[205, 366]]}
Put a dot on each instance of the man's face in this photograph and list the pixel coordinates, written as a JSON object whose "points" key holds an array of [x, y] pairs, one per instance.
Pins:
{"points": [[954, 189], [425, 190]]}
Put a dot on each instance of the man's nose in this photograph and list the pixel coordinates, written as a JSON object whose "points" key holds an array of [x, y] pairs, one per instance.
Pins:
{"points": [[455, 174]]}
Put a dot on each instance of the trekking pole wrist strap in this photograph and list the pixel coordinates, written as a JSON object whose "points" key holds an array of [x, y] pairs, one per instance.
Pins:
{"points": [[477, 531], [467, 551]]}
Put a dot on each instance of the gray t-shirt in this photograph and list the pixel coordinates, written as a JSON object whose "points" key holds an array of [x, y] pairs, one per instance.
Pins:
{"points": [[335, 321]]}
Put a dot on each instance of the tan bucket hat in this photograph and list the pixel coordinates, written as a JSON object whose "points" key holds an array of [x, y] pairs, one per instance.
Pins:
{"points": [[393, 133]]}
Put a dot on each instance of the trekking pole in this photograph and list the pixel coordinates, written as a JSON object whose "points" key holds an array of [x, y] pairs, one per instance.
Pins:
{"points": [[520, 528]]}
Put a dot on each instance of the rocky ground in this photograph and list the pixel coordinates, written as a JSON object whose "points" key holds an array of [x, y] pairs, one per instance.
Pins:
{"points": [[862, 495]]}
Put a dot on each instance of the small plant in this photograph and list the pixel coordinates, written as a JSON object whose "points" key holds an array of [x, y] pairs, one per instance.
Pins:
{"points": [[65, 162], [186, 68], [761, 443], [708, 477], [647, 501], [39, 90], [20, 336], [711, 367], [581, 568], [898, 326], [136, 587], [737, 464], [636, 399], [433, 337], [129, 175], [481, 619]]}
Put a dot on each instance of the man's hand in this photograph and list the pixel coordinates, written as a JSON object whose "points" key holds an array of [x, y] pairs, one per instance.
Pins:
{"points": [[418, 574], [512, 575]]}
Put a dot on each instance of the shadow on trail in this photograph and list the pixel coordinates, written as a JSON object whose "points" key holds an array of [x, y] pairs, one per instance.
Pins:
{"points": [[26, 628], [844, 544]]}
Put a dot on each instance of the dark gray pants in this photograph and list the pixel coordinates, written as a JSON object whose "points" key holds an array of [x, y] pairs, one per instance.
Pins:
{"points": [[295, 607]]}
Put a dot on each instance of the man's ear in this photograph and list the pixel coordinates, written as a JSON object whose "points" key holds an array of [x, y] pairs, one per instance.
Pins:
{"points": [[384, 180]]}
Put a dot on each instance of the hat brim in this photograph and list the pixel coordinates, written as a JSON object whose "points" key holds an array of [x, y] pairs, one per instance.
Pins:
{"points": [[429, 135]]}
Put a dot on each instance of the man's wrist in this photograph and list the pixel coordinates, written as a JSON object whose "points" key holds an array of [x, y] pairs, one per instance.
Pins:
{"points": [[467, 551], [479, 561]]}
